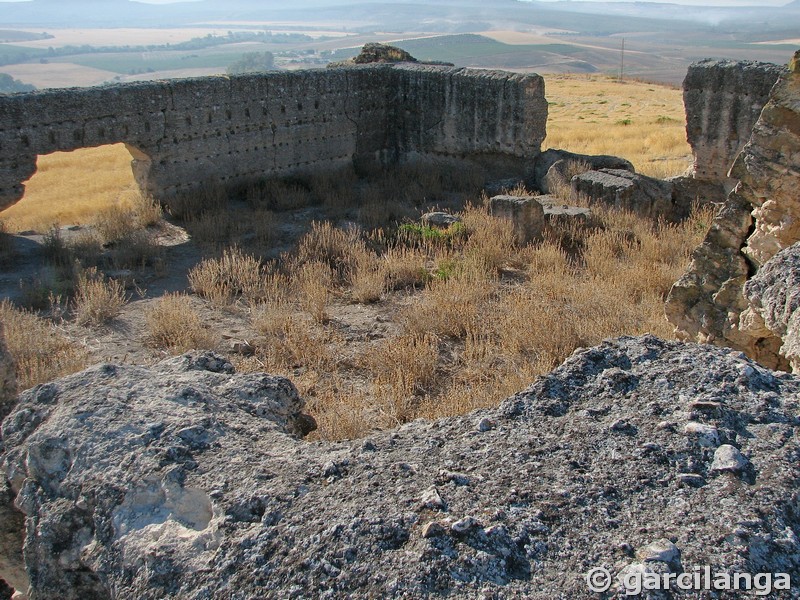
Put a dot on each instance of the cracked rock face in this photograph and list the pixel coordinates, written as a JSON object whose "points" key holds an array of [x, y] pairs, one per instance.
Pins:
{"points": [[774, 299], [758, 220], [178, 482], [8, 379]]}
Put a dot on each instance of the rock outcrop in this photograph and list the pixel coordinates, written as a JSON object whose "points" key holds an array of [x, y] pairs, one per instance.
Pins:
{"points": [[176, 482], [8, 378], [758, 219], [773, 295]]}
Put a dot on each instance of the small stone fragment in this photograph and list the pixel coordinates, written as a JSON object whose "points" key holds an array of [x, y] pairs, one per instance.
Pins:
{"points": [[485, 425], [330, 469], [691, 480], [464, 525], [662, 550], [439, 219], [706, 435], [244, 348], [431, 499], [433, 529], [728, 458], [448, 476]]}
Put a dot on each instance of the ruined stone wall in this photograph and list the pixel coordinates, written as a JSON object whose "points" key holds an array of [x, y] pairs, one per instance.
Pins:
{"points": [[757, 221], [723, 101], [235, 130]]}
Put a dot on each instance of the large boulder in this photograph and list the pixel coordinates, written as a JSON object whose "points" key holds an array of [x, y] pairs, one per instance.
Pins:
{"points": [[554, 166], [760, 217], [176, 482], [626, 190]]}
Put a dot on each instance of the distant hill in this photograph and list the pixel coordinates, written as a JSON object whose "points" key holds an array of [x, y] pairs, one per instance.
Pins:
{"points": [[597, 18]]}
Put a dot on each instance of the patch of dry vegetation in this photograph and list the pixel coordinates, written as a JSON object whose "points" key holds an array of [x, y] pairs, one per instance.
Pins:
{"points": [[174, 325], [490, 316], [233, 275], [97, 298], [41, 351], [642, 122]]}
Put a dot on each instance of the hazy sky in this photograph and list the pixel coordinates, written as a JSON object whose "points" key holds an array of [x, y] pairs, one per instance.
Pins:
{"points": [[684, 2]]}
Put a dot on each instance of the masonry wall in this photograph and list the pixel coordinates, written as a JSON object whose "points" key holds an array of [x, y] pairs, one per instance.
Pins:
{"points": [[723, 101], [235, 130]]}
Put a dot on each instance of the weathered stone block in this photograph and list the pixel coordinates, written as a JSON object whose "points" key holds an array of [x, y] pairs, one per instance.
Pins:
{"points": [[723, 100], [551, 166], [555, 208], [626, 190], [524, 212]]}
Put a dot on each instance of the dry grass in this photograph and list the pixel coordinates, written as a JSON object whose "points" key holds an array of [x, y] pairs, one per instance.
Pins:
{"points": [[405, 267], [174, 325], [491, 239], [313, 282], [594, 114], [70, 187], [97, 299], [472, 338], [448, 307], [369, 277], [222, 280], [403, 369], [293, 340], [41, 352], [337, 248], [131, 212]]}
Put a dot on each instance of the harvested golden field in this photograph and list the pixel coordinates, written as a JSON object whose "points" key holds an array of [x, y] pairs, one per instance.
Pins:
{"points": [[72, 187], [54, 75], [131, 36], [642, 122]]}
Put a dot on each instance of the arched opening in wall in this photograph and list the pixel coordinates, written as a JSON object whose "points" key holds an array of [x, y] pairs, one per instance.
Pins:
{"points": [[70, 188]]}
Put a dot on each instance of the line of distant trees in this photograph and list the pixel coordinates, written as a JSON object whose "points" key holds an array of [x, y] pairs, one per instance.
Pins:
{"points": [[253, 62], [198, 43], [9, 85]]}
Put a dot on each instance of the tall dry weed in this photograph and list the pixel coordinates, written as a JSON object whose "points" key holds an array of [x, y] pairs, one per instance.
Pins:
{"points": [[173, 324], [97, 298], [233, 275], [41, 352]]}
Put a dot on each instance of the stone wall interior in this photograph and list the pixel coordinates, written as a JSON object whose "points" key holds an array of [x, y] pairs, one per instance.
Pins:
{"points": [[235, 130]]}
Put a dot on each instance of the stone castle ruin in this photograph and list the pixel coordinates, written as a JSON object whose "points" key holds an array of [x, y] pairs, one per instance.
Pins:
{"points": [[186, 480], [237, 130]]}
